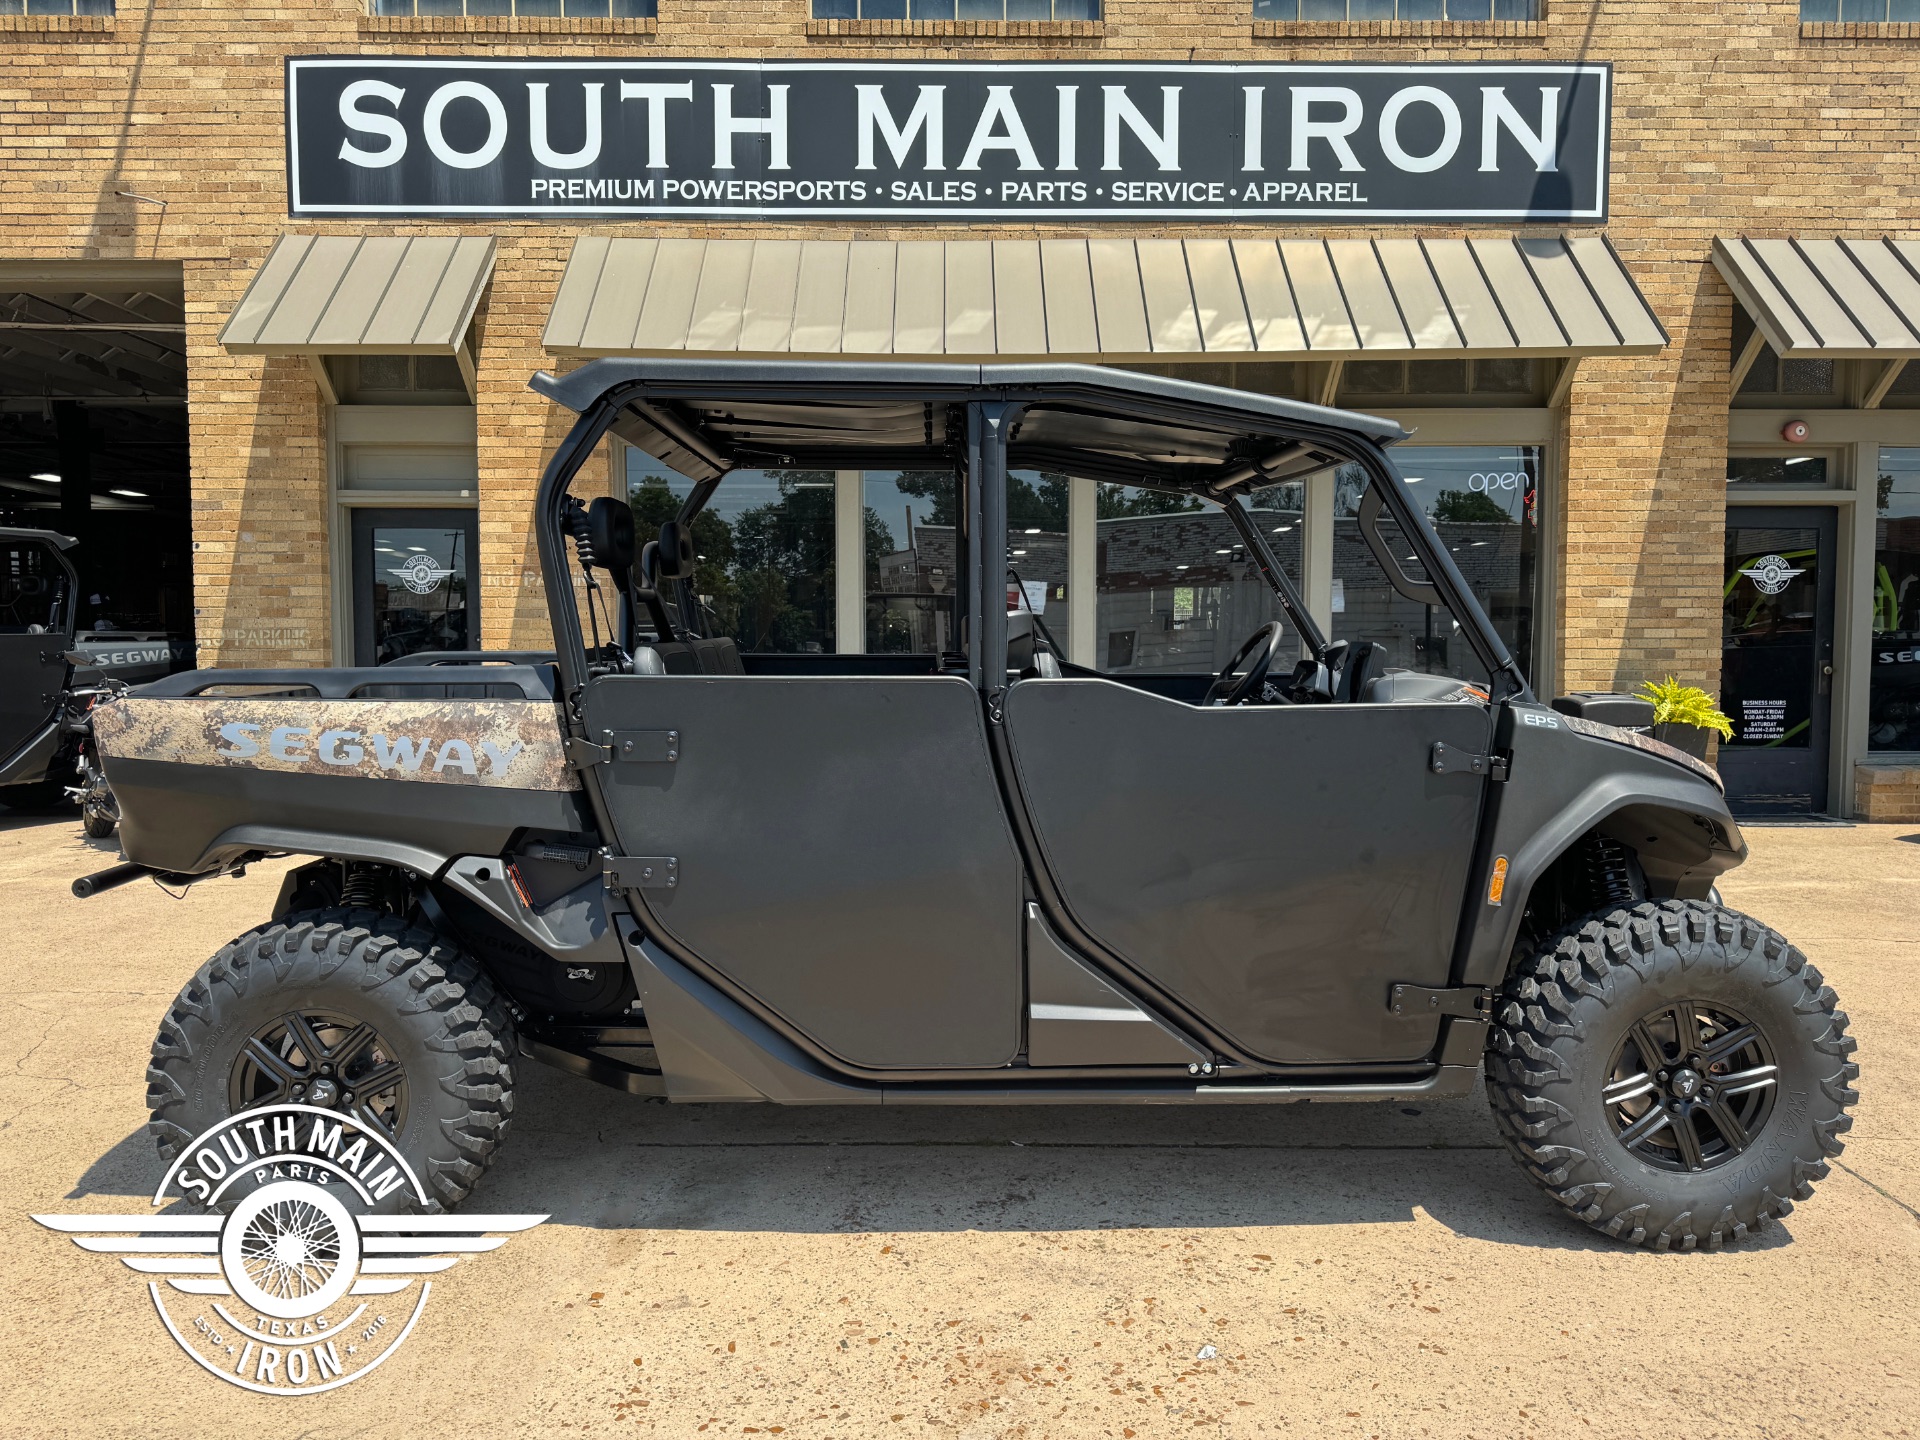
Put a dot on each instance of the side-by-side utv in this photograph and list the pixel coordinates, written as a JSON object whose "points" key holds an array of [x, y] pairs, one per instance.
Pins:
{"points": [[987, 876]]}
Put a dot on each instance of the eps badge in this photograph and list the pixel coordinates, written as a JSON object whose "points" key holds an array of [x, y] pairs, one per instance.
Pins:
{"points": [[295, 1289]]}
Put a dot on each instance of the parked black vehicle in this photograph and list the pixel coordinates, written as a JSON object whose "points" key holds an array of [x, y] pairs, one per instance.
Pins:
{"points": [[985, 877], [38, 588]]}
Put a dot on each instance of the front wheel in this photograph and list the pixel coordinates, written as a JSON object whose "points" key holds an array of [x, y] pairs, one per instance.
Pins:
{"points": [[1675, 1074], [352, 1010]]}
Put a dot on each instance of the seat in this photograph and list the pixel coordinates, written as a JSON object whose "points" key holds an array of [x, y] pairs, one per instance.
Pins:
{"points": [[678, 656], [718, 656], [1363, 665]]}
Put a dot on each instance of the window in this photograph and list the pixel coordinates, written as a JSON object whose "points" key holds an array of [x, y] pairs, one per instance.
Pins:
{"points": [[911, 526], [956, 9], [1870, 11], [569, 9], [1361, 10], [1493, 381], [1178, 592], [1772, 379], [763, 546], [1777, 470], [56, 7], [1893, 691], [33, 589], [398, 380], [1484, 502]]}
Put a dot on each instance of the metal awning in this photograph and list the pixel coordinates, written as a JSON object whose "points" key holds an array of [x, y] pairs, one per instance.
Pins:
{"points": [[1828, 299], [362, 294], [1105, 299]]}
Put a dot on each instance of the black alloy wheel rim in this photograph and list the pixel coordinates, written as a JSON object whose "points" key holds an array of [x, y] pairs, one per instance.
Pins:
{"points": [[1691, 1086], [315, 1057]]}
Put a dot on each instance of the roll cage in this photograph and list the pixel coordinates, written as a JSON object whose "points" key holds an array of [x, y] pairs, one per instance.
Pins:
{"points": [[707, 418]]}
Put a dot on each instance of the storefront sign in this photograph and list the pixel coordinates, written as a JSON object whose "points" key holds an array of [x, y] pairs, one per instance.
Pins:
{"points": [[404, 137]]}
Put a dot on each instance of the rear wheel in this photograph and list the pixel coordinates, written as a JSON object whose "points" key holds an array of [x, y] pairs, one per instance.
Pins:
{"points": [[354, 1011], [1675, 1074]]}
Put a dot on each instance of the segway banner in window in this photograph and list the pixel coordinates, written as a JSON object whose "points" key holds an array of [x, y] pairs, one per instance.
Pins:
{"points": [[1308, 142]]}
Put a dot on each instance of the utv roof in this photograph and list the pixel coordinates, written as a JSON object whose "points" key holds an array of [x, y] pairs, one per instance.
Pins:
{"points": [[52, 537], [704, 417]]}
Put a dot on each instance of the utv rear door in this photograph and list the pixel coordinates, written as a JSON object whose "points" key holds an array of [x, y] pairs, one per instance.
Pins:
{"points": [[839, 852], [36, 631], [1275, 869]]}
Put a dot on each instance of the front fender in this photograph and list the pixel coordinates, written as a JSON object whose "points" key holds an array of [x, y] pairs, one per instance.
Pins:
{"points": [[1562, 785]]}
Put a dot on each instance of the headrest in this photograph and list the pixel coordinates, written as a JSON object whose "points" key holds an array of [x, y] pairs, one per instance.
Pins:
{"points": [[610, 527], [676, 551]]}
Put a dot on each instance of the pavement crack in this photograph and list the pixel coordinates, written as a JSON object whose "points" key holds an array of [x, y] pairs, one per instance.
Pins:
{"points": [[1884, 1194]]}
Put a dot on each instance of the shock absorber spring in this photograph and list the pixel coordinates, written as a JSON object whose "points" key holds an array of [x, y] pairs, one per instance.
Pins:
{"points": [[1608, 875], [359, 887]]}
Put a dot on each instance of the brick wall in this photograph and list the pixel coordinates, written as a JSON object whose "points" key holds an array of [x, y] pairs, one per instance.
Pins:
{"points": [[1727, 120]]}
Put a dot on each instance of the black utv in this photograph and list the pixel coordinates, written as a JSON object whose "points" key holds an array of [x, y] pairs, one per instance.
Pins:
{"points": [[986, 875]]}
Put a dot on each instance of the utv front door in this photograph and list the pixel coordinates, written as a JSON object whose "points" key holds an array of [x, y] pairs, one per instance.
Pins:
{"points": [[839, 853], [1275, 869]]}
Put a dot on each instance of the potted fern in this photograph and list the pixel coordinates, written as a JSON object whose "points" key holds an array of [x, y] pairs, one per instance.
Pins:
{"points": [[1684, 715]]}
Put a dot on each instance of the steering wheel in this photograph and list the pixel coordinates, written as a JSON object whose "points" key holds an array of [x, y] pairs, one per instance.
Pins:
{"points": [[1227, 689]]}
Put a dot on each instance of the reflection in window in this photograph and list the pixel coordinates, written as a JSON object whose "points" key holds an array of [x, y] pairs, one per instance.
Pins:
{"points": [[1178, 591], [550, 9], [1484, 502], [912, 560], [1801, 380], [956, 9], [420, 597], [763, 546], [1362, 10], [1777, 470], [1858, 11], [1893, 701]]}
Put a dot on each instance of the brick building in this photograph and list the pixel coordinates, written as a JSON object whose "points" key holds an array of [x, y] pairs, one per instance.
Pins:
{"points": [[262, 477]]}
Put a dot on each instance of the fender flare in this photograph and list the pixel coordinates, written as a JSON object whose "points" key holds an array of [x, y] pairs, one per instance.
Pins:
{"points": [[238, 839], [1644, 812]]}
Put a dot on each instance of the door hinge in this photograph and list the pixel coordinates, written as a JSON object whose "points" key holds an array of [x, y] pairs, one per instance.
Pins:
{"points": [[583, 753], [1452, 760], [657, 747], [1471, 1001], [641, 872]]}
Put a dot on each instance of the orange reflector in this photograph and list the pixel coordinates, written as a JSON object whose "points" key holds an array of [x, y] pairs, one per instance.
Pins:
{"points": [[1497, 883]]}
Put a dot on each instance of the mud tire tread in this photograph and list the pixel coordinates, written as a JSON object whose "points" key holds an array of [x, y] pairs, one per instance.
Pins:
{"points": [[416, 976], [1549, 1006]]}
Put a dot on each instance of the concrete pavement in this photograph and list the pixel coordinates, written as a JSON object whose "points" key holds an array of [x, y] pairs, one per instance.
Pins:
{"points": [[1356, 1270]]}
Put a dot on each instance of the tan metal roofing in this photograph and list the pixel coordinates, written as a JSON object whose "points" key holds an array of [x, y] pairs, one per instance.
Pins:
{"points": [[352, 294], [1838, 299], [1100, 299]]}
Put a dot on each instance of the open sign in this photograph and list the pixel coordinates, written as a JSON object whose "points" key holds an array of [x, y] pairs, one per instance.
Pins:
{"points": [[1486, 481]]}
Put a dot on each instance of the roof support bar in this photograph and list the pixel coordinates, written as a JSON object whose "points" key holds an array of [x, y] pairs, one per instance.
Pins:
{"points": [[1743, 362], [323, 378], [1329, 386], [1882, 383], [1563, 383]]}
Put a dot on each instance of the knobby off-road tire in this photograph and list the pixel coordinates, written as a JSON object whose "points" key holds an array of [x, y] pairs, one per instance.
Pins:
{"points": [[1567, 1016], [436, 1014]]}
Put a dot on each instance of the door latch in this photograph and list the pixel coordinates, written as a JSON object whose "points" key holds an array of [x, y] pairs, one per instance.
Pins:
{"points": [[1409, 1001], [1452, 760]]}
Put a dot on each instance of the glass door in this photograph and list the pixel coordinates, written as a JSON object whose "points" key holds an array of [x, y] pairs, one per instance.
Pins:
{"points": [[416, 582], [1776, 657]]}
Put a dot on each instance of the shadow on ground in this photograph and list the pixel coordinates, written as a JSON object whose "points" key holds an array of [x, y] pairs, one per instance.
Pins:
{"points": [[601, 1159]]}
